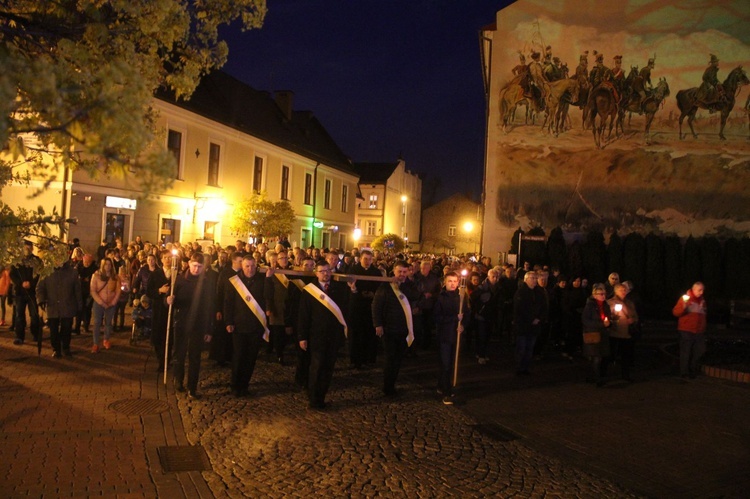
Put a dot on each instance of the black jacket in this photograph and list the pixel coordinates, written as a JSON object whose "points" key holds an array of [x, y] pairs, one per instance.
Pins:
{"points": [[386, 308], [236, 311], [61, 291], [529, 305], [445, 314], [315, 321], [195, 301]]}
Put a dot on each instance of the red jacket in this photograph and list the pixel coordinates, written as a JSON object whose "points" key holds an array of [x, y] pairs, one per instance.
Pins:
{"points": [[691, 314]]}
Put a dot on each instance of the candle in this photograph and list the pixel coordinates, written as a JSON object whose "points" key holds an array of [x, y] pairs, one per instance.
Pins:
{"points": [[618, 308]]}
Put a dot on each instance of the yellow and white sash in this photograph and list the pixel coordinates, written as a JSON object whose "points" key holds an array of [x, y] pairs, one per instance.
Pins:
{"points": [[283, 279], [298, 283], [251, 303], [326, 301], [404, 301]]}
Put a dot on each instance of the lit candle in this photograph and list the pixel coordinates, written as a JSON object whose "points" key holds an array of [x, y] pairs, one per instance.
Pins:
{"points": [[618, 308], [686, 297]]}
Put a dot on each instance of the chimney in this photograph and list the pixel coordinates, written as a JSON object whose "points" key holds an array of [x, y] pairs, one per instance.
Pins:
{"points": [[284, 99]]}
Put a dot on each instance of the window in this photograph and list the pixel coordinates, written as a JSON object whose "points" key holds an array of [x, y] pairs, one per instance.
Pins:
{"points": [[285, 182], [327, 198], [174, 145], [451, 230], [342, 241], [344, 199], [258, 175], [326, 242], [372, 226], [373, 201], [214, 153], [306, 234], [209, 230], [308, 188]]}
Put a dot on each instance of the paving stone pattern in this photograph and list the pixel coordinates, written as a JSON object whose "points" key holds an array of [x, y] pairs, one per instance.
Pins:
{"points": [[364, 445]]}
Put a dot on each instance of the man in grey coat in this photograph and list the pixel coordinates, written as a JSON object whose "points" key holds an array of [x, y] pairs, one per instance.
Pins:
{"points": [[61, 292]]}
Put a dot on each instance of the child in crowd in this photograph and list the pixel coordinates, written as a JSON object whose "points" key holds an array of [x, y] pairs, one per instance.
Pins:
{"points": [[142, 316]]}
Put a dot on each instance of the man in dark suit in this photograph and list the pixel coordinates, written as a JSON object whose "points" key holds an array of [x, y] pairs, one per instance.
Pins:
{"points": [[61, 292], [363, 344], [244, 315], [291, 314], [322, 329], [392, 317]]}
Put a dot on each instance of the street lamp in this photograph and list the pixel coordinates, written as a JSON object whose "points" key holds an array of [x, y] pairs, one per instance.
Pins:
{"points": [[404, 199], [469, 229]]}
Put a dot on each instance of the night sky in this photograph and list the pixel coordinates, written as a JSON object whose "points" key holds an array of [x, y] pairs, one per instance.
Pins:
{"points": [[388, 79]]}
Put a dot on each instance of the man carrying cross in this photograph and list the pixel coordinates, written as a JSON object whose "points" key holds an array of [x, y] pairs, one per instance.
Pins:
{"points": [[322, 329], [393, 321], [245, 318]]}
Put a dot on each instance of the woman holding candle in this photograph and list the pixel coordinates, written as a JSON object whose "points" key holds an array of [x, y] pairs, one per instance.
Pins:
{"points": [[596, 319], [690, 311], [623, 314]]}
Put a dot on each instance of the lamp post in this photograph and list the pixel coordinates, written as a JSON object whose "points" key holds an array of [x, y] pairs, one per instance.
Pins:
{"points": [[404, 199]]}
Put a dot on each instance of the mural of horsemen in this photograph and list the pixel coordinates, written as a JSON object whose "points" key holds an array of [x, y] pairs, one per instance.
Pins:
{"points": [[637, 117]]}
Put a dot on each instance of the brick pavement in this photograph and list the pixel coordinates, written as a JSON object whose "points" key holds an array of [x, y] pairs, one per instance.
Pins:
{"points": [[364, 445], [60, 438], [658, 437]]}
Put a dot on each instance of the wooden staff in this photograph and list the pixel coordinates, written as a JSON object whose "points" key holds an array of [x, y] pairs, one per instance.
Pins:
{"points": [[461, 292], [169, 314]]}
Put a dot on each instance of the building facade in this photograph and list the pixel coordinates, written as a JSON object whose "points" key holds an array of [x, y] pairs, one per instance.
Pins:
{"points": [[452, 226], [390, 202], [228, 141]]}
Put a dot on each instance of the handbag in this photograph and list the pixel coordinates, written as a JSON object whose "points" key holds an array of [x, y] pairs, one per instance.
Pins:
{"points": [[592, 338]]}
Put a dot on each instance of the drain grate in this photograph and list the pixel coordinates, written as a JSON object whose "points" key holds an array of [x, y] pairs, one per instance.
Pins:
{"points": [[183, 458], [496, 432], [139, 407]]}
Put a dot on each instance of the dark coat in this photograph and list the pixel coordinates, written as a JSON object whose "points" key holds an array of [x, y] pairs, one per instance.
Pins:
{"points": [[61, 291], [485, 300], [237, 313], [293, 296], [27, 270], [592, 322], [445, 314], [529, 305], [195, 302], [387, 311], [315, 321]]}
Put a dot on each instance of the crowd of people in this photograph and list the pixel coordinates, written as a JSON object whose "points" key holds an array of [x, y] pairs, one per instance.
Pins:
{"points": [[242, 299]]}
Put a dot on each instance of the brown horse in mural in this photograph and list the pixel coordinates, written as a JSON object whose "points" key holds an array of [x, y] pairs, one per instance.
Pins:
{"points": [[651, 104], [562, 94], [689, 104], [602, 104], [510, 95]]}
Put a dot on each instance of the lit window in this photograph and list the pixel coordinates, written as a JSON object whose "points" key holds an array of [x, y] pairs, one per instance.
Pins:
{"points": [[373, 201], [214, 154], [285, 182], [451, 230], [258, 175], [308, 188], [327, 198], [344, 199], [174, 144]]}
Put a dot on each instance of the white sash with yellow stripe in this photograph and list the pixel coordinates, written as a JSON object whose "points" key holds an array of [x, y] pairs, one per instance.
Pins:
{"points": [[326, 301], [251, 303], [298, 283], [404, 301]]}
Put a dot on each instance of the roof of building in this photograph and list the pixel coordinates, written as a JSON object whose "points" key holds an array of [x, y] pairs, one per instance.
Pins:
{"points": [[226, 100], [375, 173]]}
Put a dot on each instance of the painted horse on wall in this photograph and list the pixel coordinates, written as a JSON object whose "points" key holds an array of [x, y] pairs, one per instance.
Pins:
{"points": [[649, 106], [689, 104], [602, 104]]}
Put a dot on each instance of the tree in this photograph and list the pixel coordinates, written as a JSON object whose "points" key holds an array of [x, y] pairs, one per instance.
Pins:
{"points": [[258, 216], [389, 242], [77, 83]]}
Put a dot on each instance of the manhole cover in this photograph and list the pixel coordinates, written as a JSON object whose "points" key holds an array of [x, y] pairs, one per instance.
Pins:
{"points": [[496, 432], [183, 458], [139, 407]]}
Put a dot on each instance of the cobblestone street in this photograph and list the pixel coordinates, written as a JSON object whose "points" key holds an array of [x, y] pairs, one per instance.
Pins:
{"points": [[270, 444]]}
